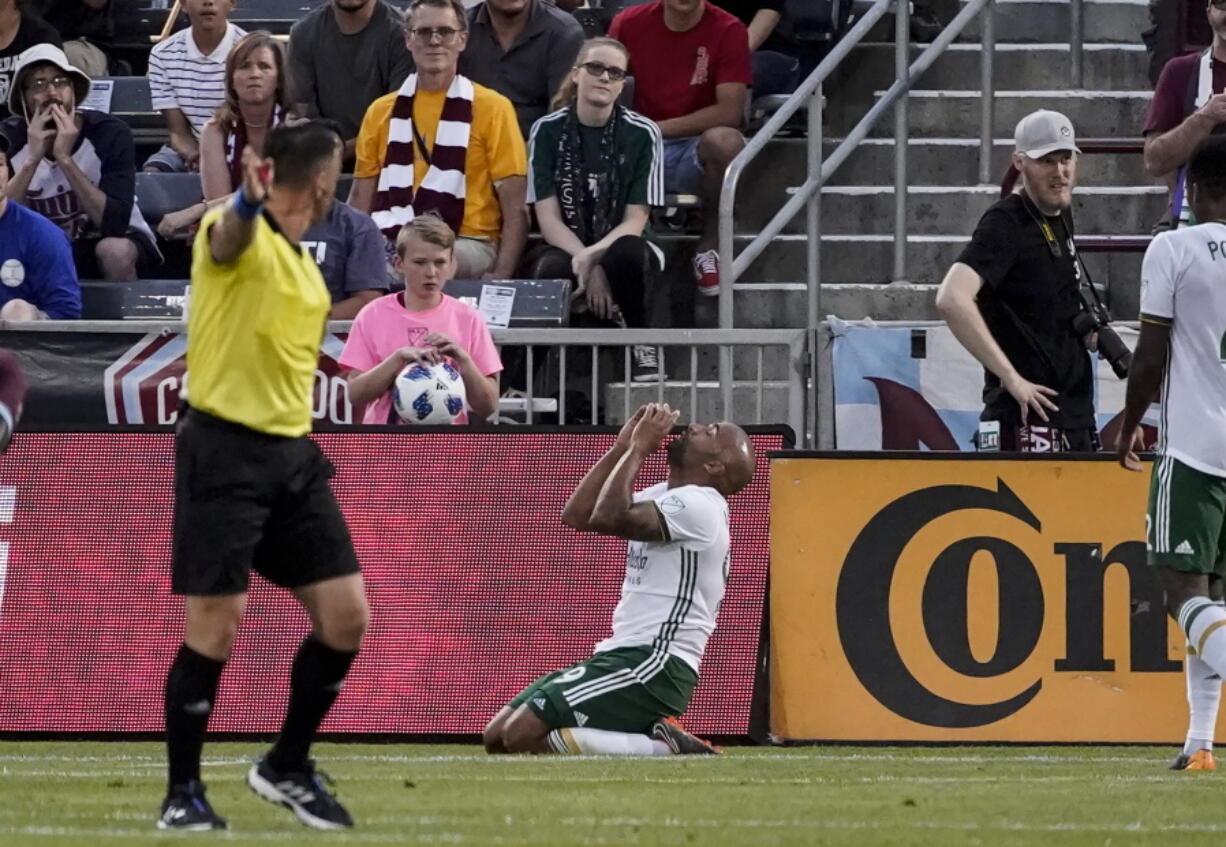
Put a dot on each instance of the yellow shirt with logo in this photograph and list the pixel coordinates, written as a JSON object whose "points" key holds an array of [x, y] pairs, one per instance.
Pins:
{"points": [[254, 330], [496, 150]]}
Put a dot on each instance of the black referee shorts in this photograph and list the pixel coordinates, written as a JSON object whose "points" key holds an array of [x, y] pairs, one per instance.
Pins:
{"points": [[248, 501]]}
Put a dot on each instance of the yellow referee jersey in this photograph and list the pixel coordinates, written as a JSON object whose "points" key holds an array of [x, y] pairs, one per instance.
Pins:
{"points": [[254, 330]]}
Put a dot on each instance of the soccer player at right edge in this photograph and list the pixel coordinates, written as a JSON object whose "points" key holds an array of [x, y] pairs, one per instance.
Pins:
{"points": [[624, 700], [1182, 348]]}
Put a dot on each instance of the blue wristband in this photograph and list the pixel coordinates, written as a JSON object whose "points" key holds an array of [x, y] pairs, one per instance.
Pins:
{"points": [[244, 208]]}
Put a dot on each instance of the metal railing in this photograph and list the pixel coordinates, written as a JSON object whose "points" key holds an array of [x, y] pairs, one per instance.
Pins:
{"points": [[613, 388]]}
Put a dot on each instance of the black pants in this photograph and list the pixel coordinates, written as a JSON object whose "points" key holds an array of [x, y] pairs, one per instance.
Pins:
{"points": [[630, 265]]}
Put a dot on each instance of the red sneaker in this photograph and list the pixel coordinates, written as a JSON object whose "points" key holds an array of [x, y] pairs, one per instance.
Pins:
{"points": [[706, 270]]}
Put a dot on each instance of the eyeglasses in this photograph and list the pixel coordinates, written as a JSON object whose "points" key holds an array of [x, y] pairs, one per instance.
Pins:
{"points": [[599, 69], [425, 34], [1218, 4], [36, 85]]}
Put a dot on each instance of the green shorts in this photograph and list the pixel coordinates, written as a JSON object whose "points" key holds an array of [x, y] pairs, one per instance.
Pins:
{"points": [[623, 690], [1185, 521]]}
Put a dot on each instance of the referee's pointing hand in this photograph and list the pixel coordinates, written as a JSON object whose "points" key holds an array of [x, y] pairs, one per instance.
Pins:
{"points": [[257, 173]]}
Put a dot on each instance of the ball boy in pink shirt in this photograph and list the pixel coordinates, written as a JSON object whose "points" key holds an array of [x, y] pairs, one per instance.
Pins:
{"points": [[420, 324]]}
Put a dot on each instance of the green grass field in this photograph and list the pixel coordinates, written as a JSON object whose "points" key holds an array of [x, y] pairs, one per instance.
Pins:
{"points": [[101, 793]]}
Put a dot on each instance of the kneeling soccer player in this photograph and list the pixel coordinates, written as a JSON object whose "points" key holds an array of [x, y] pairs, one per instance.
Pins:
{"points": [[624, 699]]}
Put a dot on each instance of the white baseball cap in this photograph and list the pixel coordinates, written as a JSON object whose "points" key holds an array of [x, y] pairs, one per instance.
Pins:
{"points": [[1043, 132], [46, 53]]}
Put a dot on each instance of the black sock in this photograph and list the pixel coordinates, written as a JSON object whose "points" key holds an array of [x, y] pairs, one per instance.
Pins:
{"points": [[315, 681], [191, 687]]}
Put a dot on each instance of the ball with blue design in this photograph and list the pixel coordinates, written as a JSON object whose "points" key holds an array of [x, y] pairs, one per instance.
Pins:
{"points": [[429, 394]]}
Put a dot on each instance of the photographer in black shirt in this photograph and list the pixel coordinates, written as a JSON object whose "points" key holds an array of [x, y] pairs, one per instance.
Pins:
{"points": [[1014, 299]]}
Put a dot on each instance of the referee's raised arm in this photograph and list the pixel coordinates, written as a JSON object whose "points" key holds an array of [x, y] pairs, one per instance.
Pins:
{"points": [[231, 235]]}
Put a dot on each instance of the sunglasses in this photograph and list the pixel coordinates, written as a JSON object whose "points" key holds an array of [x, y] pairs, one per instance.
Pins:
{"points": [[426, 34], [599, 69], [36, 85]]}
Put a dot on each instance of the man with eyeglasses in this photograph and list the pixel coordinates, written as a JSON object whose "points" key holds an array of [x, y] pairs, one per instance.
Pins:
{"points": [[690, 61], [1189, 105], [76, 167], [446, 146], [342, 56], [522, 49]]}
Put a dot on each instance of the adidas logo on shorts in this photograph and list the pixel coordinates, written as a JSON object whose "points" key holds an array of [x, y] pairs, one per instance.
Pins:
{"points": [[580, 718], [539, 702], [1185, 549]]}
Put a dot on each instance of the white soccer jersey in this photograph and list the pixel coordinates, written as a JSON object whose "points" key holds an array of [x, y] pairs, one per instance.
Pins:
{"points": [[673, 588], [1183, 280]]}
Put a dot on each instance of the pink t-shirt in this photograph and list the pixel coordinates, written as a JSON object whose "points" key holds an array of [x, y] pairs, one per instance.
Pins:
{"points": [[385, 325]]}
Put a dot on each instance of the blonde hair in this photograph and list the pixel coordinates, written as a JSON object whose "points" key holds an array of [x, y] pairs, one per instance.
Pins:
{"points": [[430, 229], [228, 114], [568, 93]]}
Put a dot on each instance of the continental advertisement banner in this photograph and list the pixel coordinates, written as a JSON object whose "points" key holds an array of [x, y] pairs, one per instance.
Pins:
{"points": [[967, 599]]}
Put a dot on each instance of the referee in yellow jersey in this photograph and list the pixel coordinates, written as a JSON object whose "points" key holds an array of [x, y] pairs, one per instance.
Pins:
{"points": [[251, 488]]}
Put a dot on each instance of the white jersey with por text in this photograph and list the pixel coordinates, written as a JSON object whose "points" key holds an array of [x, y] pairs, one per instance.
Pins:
{"points": [[1183, 280], [673, 588]]}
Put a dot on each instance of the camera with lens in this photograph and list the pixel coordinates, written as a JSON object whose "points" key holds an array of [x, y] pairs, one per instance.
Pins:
{"points": [[1093, 317]]}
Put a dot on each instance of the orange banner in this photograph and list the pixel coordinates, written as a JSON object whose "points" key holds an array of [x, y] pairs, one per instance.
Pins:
{"points": [[966, 599]]}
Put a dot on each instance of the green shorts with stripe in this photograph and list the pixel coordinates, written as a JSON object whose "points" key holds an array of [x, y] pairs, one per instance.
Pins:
{"points": [[1185, 521], [623, 690]]}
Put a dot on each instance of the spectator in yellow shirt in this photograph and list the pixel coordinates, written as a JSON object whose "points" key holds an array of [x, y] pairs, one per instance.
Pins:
{"points": [[446, 146]]}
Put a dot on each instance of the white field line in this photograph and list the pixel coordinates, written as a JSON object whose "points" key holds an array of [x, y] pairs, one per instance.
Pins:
{"points": [[502, 761]]}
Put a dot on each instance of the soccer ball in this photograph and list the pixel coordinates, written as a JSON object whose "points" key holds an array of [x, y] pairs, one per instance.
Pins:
{"points": [[428, 394]]}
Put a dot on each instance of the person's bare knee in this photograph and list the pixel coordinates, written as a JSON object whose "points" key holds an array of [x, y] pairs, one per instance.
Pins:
{"points": [[338, 610], [1180, 587], [19, 310], [212, 624], [524, 732], [491, 737], [117, 258], [718, 146]]}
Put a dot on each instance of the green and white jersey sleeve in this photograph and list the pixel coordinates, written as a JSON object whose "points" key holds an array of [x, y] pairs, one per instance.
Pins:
{"points": [[673, 588], [1183, 283]]}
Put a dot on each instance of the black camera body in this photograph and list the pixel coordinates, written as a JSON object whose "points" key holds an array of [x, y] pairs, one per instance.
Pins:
{"points": [[1094, 318]]}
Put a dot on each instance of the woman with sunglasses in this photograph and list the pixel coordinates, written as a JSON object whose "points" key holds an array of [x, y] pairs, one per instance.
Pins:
{"points": [[595, 168], [256, 100]]}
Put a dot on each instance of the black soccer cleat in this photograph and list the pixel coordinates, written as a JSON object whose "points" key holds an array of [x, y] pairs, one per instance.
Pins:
{"points": [[186, 809], [672, 733], [302, 792]]}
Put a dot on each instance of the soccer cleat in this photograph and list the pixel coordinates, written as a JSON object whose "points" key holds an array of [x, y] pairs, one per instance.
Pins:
{"points": [[1201, 760], [672, 733], [185, 808], [302, 792], [706, 270]]}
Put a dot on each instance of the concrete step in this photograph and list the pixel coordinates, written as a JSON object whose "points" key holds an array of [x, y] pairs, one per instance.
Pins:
{"points": [[934, 161], [1049, 20], [869, 259], [703, 404], [937, 210], [944, 113], [1031, 66]]}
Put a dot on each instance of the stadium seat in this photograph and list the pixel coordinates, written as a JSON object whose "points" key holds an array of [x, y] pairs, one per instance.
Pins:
{"points": [[158, 194], [145, 299]]}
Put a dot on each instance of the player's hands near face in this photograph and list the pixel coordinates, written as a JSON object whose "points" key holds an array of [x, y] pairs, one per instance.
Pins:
{"points": [[66, 133], [657, 422], [1031, 397], [627, 431], [1126, 447], [446, 346], [257, 174], [419, 355]]}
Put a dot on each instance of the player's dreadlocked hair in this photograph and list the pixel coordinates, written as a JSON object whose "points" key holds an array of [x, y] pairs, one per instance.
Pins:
{"points": [[1207, 167]]}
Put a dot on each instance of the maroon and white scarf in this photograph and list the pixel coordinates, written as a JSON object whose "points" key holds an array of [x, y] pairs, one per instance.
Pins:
{"points": [[443, 188], [236, 141]]}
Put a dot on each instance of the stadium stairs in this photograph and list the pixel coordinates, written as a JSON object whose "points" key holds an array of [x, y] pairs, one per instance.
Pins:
{"points": [[1115, 202]]}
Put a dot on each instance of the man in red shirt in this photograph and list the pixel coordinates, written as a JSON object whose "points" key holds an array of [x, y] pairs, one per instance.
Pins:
{"points": [[1188, 106], [690, 62]]}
